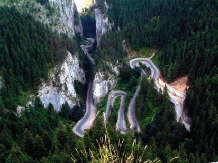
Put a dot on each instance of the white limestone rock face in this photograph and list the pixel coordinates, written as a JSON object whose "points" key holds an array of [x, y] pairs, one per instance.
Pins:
{"points": [[78, 24], [104, 82], [66, 18], [20, 109], [60, 86], [102, 23], [63, 16]]}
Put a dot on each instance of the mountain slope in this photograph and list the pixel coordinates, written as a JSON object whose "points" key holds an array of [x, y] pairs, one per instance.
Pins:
{"points": [[184, 32], [28, 51], [61, 16]]}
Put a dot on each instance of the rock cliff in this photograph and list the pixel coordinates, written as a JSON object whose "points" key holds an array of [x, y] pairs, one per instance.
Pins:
{"points": [[60, 86], [103, 82], [102, 23], [61, 15], [65, 19]]}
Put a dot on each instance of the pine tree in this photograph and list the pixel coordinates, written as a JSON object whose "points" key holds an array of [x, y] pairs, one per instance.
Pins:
{"points": [[16, 155], [62, 136], [65, 111], [3, 153], [28, 142], [1, 106], [38, 148]]}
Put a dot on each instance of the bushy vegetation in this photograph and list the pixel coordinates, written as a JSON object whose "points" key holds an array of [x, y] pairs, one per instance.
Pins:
{"points": [[36, 134], [123, 149], [185, 33], [109, 50], [28, 50]]}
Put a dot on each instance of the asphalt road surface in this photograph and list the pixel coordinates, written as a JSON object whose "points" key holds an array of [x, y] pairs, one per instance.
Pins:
{"points": [[155, 74], [89, 117], [121, 124], [134, 125], [90, 43]]}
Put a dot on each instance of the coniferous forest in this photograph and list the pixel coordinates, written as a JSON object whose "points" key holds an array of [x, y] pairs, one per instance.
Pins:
{"points": [[28, 51], [184, 34]]}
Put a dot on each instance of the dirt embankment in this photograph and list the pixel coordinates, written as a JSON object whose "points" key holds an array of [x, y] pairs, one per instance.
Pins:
{"points": [[130, 53], [180, 84]]}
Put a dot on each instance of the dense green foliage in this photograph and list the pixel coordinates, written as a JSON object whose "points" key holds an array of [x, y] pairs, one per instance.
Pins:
{"points": [[133, 78], [80, 88], [185, 33], [109, 50], [28, 50], [156, 115], [35, 133]]}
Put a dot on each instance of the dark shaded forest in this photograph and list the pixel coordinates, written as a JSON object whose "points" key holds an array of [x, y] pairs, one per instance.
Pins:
{"points": [[88, 23], [38, 135]]}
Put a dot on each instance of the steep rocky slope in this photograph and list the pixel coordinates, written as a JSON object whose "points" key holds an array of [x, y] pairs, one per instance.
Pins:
{"points": [[104, 82], [102, 23], [60, 86], [61, 15], [66, 19]]}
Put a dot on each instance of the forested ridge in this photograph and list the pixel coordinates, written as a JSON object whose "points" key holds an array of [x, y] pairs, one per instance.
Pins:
{"points": [[185, 33], [28, 50]]}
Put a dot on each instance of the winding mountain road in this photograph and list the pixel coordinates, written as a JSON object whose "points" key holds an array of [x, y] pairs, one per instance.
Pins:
{"points": [[134, 125], [89, 117], [121, 124], [177, 100], [87, 120], [155, 74], [89, 43]]}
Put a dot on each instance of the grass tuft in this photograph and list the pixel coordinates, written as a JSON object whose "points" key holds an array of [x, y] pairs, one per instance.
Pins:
{"points": [[109, 153]]}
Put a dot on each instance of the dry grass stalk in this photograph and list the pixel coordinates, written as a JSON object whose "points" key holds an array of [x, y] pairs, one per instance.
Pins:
{"points": [[107, 153]]}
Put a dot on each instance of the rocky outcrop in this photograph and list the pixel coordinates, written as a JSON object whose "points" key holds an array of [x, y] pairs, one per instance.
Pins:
{"points": [[60, 86], [20, 109], [62, 15], [104, 82], [102, 23], [171, 89], [77, 23], [65, 19]]}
